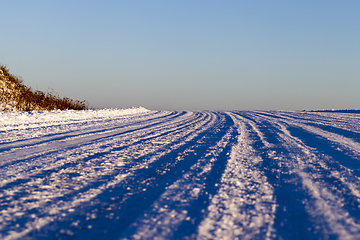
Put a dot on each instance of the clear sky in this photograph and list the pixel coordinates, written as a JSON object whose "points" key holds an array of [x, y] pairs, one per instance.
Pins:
{"points": [[192, 55]]}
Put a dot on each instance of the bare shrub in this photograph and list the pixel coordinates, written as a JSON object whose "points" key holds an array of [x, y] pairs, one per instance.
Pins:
{"points": [[16, 96]]}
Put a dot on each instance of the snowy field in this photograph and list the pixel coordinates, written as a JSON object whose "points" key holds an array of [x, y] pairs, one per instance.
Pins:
{"points": [[140, 174]]}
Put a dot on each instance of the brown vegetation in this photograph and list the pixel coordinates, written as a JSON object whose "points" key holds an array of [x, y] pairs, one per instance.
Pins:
{"points": [[15, 96]]}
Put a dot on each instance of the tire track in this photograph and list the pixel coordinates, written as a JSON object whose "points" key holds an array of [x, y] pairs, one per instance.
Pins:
{"points": [[183, 175], [32, 125], [147, 173], [46, 170], [77, 133], [291, 215], [54, 146], [328, 205], [244, 205], [321, 123], [107, 179]]}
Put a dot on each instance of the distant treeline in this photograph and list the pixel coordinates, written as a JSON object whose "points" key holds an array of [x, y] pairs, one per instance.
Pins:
{"points": [[15, 96]]}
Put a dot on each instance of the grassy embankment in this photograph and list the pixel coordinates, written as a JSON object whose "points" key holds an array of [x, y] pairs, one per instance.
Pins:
{"points": [[15, 96]]}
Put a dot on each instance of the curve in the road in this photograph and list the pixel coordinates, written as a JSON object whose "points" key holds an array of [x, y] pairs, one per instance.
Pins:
{"points": [[181, 175]]}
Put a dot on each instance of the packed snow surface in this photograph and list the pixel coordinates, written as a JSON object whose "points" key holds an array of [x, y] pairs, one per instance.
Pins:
{"points": [[141, 174]]}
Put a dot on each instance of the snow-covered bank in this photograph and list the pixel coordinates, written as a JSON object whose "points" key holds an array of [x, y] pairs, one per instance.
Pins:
{"points": [[141, 174], [18, 125], [16, 120]]}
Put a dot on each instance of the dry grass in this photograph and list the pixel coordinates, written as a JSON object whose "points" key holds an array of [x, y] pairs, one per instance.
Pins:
{"points": [[16, 96]]}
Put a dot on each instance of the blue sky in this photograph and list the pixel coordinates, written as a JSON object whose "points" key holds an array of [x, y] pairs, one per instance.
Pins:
{"points": [[188, 55]]}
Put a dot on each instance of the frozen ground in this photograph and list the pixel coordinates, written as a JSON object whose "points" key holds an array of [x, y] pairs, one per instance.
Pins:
{"points": [[139, 174]]}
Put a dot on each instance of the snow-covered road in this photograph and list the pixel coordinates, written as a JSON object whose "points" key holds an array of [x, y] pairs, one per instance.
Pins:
{"points": [[140, 174]]}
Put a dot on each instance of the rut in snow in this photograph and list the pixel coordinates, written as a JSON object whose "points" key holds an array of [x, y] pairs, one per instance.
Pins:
{"points": [[140, 174]]}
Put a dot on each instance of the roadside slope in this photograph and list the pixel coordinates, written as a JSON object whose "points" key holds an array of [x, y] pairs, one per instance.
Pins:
{"points": [[15, 96]]}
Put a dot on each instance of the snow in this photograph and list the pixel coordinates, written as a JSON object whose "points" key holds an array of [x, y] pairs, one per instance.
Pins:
{"points": [[141, 174]]}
